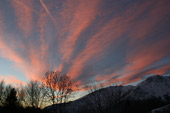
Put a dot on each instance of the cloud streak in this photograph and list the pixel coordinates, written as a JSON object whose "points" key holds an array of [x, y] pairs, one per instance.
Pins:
{"points": [[81, 19], [24, 15], [112, 41], [48, 12]]}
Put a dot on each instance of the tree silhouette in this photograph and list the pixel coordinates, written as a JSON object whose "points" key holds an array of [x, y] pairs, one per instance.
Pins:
{"points": [[11, 100], [60, 88], [2, 92], [32, 94]]}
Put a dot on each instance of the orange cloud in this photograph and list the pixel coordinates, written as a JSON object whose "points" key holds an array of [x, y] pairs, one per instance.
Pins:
{"points": [[160, 71], [37, 66], [136, 25], [24, 15], [9, 53], [12, 55], [107, 35], [95, 45], [60, 67], [150, 22], [137, 62], [143, 56], [10, 79], [38, 55], [81, 19], [34, 68], [42, 21]]}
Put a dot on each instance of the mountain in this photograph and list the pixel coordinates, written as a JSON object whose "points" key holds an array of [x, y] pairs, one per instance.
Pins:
{"points": [[153, 87], [164, 109], [154, 92]]}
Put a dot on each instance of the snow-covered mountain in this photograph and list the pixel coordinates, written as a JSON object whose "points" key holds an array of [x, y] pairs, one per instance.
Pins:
{"points": [[153, 87]]}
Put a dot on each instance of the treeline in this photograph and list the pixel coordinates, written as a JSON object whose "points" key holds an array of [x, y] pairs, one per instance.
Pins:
{"points": [[53, 88]]}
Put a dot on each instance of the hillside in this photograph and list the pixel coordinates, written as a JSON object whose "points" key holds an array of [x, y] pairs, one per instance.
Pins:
{"points": [[152, 93]]}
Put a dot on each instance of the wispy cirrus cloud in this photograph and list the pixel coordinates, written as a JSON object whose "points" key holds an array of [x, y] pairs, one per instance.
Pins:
{"points": [[142, 54], [94, 47], [90, 40], [24, 15], [30, 64], [78, 23]]}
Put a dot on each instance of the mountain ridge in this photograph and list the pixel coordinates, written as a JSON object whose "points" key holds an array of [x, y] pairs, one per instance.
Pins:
{"points": [[155, 88]]}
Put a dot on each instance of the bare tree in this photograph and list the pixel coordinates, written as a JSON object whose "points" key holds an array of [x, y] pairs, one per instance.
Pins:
{"points": [[21, 93], [2, 92], [115, 97], [33, 94], [105, 99], [60, 87], [95, 99]]}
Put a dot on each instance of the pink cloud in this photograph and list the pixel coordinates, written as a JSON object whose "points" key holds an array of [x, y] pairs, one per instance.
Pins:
{"points": [[80, 20], [34, 68], [24, 15], [160, 71], [142, 56], [73, 19], [10, 79]]}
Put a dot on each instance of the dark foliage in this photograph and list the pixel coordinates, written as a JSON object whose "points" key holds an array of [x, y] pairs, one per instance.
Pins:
{"points": [[11, 100], [13, 106], [5, 109]]}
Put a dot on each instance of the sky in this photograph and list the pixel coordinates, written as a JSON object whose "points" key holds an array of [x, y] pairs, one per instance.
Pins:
{"points": [[112, 41]]}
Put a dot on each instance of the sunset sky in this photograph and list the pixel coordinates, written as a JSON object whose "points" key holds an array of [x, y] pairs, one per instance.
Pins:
{"points": [[91, 40]]}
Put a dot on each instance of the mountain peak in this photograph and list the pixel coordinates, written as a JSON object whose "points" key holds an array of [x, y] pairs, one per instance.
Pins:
{"points": [[156, 78], [153, 87]]}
